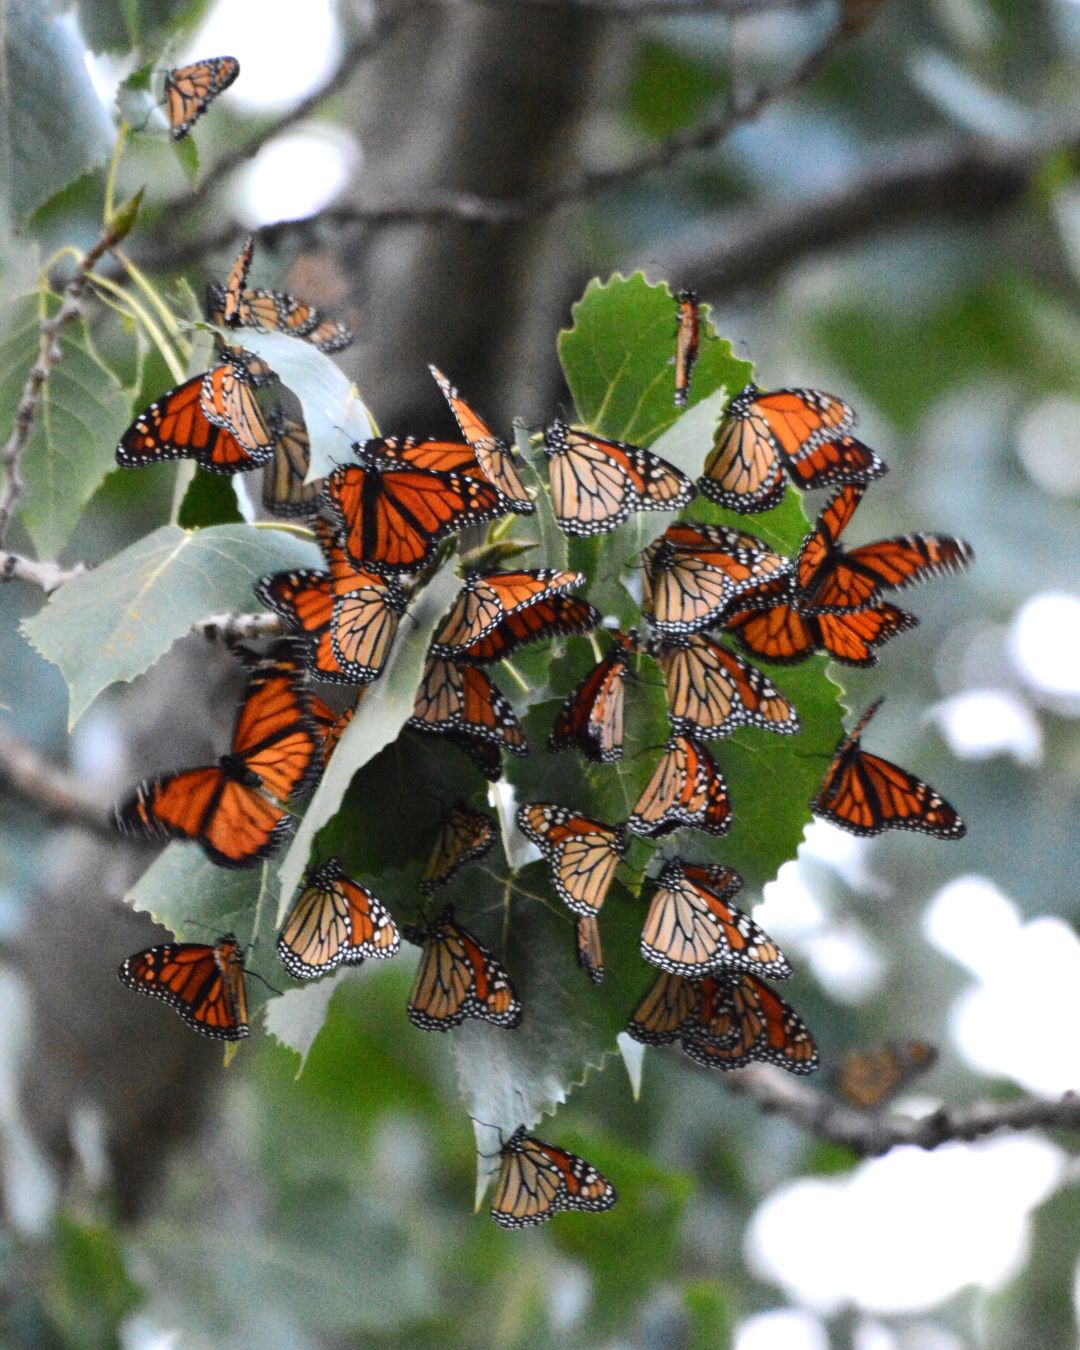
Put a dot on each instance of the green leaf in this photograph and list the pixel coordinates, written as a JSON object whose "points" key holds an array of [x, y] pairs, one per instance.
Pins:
{"points": [[618, 359], [88, 1292], [53, 127], [386, 708], [84, 409], [116, 621], [334, 413], [297, 1017], [210, 499], [669, 90]]}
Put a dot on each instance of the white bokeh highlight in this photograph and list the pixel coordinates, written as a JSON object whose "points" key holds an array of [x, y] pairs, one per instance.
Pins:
{"points": [[1044, 644], [906, 1231], [982, 723], [296, 175], [785, 1329]]}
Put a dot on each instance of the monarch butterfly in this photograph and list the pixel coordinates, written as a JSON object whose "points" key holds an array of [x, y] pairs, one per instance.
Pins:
{"points": [[865, 794], [329, 725], [484, 602], [227, 400], [582, 853], [334, 921], [352, 614], [205, 984], [223, 806], [175, 426], [712, 692], [395, 516], [226, 301], [724, 1022], [277, 312], [414, 452], [686, 788], [189, 90], [870, 1079], [691, 929], [829, 580], [693, 572], [284, 492], [465, 835], [460, 702], [458, 978], [597, 483], [591, 719], [590, 950], [537, 1180], [687, 342], [492, 453], [555, 616], [762, 434], [783, 636]]}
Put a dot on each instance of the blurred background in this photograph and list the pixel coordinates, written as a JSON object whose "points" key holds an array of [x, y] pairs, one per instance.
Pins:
{"points": [[903, 229]]}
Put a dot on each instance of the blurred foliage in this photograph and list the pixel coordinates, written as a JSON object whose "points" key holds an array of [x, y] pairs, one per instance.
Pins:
{"points": [[332, 1209]]}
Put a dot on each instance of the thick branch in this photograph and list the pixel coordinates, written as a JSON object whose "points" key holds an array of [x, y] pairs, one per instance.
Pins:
{"points": [[582, 187], [25, 774], [931, 176], [239, 627], [47, 575], [870, 1134], [49, 353]]}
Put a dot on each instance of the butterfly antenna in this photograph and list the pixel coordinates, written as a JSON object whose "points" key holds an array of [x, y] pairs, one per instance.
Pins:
{"points": [[272, 987]]}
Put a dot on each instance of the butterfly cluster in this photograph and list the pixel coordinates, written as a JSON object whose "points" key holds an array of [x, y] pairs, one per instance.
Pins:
{"points": [[380, 520]]}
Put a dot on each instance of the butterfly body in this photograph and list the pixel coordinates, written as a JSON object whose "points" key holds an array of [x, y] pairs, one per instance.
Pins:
{"points": [[688, 341], [203, 983]]}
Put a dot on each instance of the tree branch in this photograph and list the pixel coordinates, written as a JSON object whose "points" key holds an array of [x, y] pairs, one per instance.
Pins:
{"points": [[871, 1134], [49, 353], [24, 773], [931, 176], [468, 208], [239, 627], [47, 575]]}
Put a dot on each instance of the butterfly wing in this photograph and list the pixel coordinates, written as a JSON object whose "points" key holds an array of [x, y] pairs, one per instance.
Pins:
{"points": [[865, 794], [592, 718], [492, 453], [711, 691], [484, 602], [686, 788], [228, 400], [284, 491], [205, 984], [687, 342], [554, 616], [189, 90], [664, 1010], [590, 950], [176, 427], [756, 1024], [870, 1079], [742, 470], [843, 460], [274, 736], [537, 1180], [582, 853], [458, 977], [465, 835]]}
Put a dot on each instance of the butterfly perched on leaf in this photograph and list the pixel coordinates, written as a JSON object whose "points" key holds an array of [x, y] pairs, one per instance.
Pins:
{"points": [[284, 490], [492, 453], [831, 580], [465, 835], [228, 400], [724, 1022], [189, 90], [203, 982], [461, 703], [590, 949], [234, 809], [334, 921], [869, 1079], [865, 794], [693, 573], [711, 692], [693, 929], [582, 853], [554, 616], [597, 483], [176, 426], [458, 978], [395, 515], [592, 719], [801, 431], [781, 634], [485, 602], [687, 343], [686, 789], [537, 1180], [350, 615]]}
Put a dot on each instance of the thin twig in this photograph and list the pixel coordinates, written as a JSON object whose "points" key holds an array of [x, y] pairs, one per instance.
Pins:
{"points": [[870, 1134], [47, 575], [49, 353], [56, 794], [436, 207]]}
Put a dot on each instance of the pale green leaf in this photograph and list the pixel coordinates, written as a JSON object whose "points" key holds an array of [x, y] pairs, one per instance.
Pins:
{"points": [[297, 1017], [116, 621]]}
